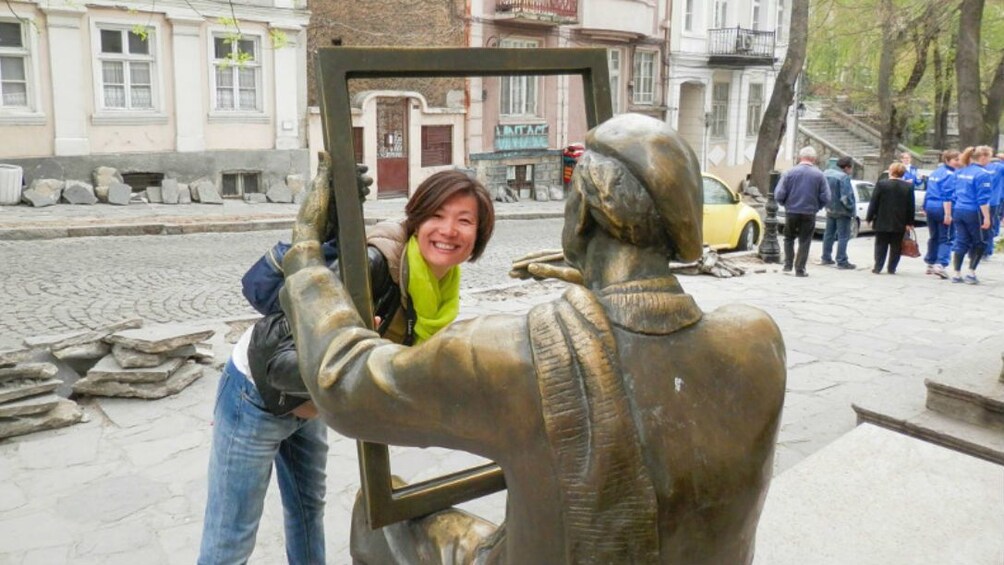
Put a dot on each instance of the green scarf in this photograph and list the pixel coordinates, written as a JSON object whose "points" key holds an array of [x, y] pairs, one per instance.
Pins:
{"points": [[436, 302]]}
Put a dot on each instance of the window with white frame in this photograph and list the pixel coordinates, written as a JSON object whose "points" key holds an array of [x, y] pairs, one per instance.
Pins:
{"points": [[721, 13], [755, 15], [236, 73], [719, 109], [614, 65], [688, 15], [644, 77], [754, 109], [127, 63], [518, 95], [13, 65]]}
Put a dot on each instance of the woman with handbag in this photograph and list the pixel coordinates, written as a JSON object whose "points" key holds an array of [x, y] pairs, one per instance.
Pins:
{"points": [[891, 213], [263, 416]]}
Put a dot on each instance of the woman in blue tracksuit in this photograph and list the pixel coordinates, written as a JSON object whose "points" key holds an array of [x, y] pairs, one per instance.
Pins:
{"points": [[971, 211], [938, 208]]}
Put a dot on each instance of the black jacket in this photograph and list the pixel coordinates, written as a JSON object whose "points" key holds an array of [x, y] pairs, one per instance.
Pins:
{"points": [[272, 353], [891, 206]]}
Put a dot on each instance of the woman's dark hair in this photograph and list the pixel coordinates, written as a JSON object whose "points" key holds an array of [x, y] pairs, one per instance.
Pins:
{"points": [[442, 186]]}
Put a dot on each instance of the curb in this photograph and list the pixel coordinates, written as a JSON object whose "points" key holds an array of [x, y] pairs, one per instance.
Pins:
{"points": [[172, 228]]}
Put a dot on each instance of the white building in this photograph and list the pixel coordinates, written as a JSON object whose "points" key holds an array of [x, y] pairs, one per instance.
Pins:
{"points": [[175, 88], [724, 57]]}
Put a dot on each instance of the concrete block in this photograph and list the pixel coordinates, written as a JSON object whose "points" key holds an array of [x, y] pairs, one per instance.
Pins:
{"points": [[169, 191], [184, 194], [119, 194], [280, 194], [109, 369], [106, 176], [255, 198], [174, 384], [160, 339], [77, 192], [154, 195], [65, 413], [207, 193], [43, 192], [296, 184]]}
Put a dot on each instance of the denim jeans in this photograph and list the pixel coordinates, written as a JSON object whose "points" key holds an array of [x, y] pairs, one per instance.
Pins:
{"points": [[939, 246], [247, 440], [838, 229]]}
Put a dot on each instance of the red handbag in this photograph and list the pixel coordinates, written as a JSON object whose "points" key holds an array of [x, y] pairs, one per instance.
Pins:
{"points": [[910, 247]]}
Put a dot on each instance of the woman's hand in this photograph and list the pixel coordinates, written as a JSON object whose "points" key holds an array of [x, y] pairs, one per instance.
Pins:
{"points": [[544, 265]]}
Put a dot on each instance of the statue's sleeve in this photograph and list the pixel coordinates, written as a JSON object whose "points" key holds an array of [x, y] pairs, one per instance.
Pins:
{"points": [[451, 390]]}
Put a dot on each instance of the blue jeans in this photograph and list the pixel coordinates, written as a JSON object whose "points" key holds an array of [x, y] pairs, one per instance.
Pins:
{"points": [[838, 229], [247, 439], [939, 246]]}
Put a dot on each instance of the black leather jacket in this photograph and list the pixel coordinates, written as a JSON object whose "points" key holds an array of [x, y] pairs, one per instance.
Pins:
{"points": [[272, 353]]}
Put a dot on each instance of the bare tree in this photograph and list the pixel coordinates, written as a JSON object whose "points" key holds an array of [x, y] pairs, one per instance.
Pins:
{"points": [[772, 126]]}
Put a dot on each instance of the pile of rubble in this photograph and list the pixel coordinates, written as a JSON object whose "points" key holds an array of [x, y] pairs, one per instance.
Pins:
{"points": [[109, 188], [123, 359]]}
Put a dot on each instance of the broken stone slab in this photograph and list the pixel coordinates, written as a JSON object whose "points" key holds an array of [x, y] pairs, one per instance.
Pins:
{"points": [[177, 382], [66, 413], [77, 338], [11, 356], [280, 194], [160, 339], [90, 350], [109, 369], [540, 193], [43, 192], [42, 371], [119, 194], [299, 197], [130, 358], [556, 192], [296, 184], [79, 192], [169, 191], [20, 388], [69, 370], [255, 198], [105, 176], [154, 195], [203, 353], [207, 193], [28, 406], [184, 194], [193, 189]]}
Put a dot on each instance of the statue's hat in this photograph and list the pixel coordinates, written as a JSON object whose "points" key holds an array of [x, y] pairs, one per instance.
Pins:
{"points": [[668, 169]]}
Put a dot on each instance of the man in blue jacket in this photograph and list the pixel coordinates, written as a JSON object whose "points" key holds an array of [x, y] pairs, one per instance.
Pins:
{"points": [[803, 192], [840, 212]]}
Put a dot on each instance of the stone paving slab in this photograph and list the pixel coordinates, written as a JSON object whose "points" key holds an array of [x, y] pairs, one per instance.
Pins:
{"points": [[109, 369], [176, 382], [28, 406], [21, 388], [65, 413], [161, 338]]}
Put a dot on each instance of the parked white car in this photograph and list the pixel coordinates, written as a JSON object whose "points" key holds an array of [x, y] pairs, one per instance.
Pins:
{"points": [[863, 192]]}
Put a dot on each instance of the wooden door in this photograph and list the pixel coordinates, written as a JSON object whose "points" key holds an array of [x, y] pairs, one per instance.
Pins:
{"points": [[392, 147]]}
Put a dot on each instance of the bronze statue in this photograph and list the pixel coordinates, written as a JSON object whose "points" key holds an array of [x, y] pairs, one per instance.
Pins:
{"points": [[630, 426]]}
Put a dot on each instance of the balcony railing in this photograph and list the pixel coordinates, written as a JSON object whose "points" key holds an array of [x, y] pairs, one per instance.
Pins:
{"points": [[741, 43], [559, 11]]}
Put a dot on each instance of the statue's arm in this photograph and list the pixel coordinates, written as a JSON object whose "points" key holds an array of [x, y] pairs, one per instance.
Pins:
{"points": [[445, 391]]}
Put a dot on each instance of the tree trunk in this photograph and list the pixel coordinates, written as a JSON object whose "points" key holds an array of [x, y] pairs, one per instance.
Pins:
{"points": [[772, 126], [967, 73], [887, 64], [942, 96], [995, 105]]}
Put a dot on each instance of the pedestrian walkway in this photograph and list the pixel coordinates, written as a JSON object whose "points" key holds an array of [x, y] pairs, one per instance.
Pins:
{"points": [[66, 220]]}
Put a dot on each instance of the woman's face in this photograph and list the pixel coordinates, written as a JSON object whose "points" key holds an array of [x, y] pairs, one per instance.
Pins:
{"points": [[447, 238]]}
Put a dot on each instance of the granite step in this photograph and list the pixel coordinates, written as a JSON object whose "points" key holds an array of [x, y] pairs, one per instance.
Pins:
{"points": [[970, 390], [905, 413]]}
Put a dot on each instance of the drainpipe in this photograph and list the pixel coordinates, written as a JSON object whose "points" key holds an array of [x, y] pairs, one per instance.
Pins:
{"points": [[666, 26]]}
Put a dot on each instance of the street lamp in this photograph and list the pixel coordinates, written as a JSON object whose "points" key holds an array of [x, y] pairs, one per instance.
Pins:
{"points": [[769, 250]]}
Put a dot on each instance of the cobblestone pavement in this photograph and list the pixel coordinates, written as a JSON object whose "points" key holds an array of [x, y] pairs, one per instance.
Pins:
{"points": [[55, 286], [128, 485]]}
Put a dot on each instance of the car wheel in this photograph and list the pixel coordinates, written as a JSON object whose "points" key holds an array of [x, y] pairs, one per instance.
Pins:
{"points": [[748, 237], [855, 227]]}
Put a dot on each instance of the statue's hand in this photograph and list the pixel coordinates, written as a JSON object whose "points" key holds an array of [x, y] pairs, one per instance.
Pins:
{"points": [[547, 264], [312, 221]]}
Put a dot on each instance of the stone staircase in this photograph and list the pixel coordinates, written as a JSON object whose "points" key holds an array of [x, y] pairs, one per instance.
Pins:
{"points": [[962, 408], [837, 137]]}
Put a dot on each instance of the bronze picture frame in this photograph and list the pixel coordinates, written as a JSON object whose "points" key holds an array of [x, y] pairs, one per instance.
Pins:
{"points": [[336, 66]]}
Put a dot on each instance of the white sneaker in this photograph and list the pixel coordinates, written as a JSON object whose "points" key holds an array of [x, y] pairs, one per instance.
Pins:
{"points": [[938, 270], [930, 270]]}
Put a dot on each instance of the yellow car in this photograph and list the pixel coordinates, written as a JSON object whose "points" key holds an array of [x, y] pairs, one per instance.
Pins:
{"points": [[729, 223]]}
